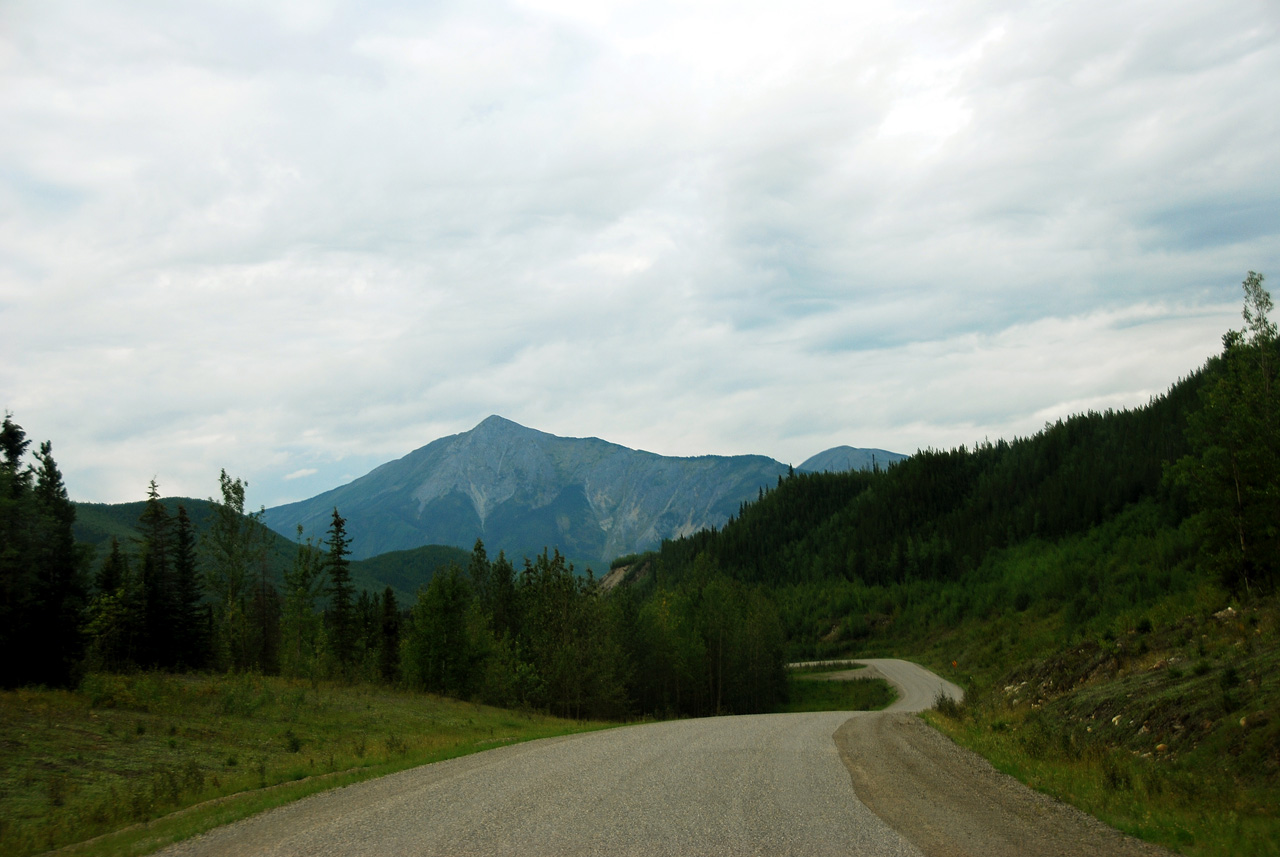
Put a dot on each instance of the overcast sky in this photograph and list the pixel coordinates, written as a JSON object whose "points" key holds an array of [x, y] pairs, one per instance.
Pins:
{"points": [[298, 239]]}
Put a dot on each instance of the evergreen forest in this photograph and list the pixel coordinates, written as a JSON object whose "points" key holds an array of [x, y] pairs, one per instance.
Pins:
{"points": [[926, 544], [177, 596]]}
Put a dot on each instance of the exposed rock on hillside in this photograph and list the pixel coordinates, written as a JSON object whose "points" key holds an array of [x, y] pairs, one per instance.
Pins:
{"points": [[523, 490]]}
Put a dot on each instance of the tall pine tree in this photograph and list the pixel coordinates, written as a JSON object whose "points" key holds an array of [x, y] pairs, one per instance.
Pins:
{"points": [[155, 536], [16, 589], [58, 645], [342, 618], [190, 618]]}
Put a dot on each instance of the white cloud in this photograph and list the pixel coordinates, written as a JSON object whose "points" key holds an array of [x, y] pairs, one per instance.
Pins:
{"points": [[307, 238]]}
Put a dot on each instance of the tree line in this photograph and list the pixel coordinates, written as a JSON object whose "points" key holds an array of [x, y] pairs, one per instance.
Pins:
{"points": [[1196, 471], [179, 598], [1194, 475]]}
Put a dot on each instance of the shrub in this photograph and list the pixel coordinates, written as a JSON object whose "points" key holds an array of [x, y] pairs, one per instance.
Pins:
{"points": [[947, 706]]}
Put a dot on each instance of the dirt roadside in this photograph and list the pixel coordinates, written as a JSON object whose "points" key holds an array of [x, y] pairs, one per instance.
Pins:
{"points": [[950, 802]]}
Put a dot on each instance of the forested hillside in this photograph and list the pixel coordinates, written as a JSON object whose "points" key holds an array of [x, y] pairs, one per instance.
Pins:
{"points": [[96, 524], [1105, 591], [1195, 469], [936, 515]]}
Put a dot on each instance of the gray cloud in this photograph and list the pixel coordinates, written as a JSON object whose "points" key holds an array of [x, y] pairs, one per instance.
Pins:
{"points": [[299, 240]]}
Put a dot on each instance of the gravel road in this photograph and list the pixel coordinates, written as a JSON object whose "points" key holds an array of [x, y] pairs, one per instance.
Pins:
{"points": [[769, 784]]}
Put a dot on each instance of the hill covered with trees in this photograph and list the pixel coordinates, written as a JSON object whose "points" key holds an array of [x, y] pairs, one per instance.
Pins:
{"points": [[1195, 469]]}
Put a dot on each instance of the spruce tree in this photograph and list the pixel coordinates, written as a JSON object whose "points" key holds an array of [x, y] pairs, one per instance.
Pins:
{"points": [[478, 570], [503, 607], [58, 644], [113, 571], [16, 590], [189, 621], [342, 618], [389, 642], [113, 625], [155, 528]]}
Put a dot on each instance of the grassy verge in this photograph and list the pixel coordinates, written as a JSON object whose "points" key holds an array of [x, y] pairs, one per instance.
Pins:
{"points": [[128, 764], [809, 690], [1165, 725]]}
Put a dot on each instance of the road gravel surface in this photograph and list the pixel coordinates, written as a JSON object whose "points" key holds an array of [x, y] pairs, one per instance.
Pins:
{"points": [[777, 784]]}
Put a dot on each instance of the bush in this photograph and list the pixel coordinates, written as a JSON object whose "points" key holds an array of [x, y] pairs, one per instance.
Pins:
{"points": [[947, 706]]}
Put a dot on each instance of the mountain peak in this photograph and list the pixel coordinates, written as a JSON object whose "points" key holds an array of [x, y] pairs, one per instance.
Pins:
{"points": [[495, 421], [495, 426], [523, 490]]}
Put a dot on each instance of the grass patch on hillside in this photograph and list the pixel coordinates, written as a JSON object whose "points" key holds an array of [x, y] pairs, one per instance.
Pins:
{"points": [[145, 760], [1165, 725], [811, 692]]}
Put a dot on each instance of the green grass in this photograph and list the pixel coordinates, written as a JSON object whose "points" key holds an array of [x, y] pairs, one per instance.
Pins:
{"points": [[1164, 725], [133, 763], [1123, 683], [809, 692]]}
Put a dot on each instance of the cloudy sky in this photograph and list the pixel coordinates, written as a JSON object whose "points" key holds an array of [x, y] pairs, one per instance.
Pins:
{"points": [[298, 239]]}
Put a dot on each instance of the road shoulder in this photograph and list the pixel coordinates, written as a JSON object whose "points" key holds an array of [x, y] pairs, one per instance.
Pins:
{"points": [[949, 801]]}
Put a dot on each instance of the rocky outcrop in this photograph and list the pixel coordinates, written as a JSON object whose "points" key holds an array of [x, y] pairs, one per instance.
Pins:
{"points": [[523, 491]]}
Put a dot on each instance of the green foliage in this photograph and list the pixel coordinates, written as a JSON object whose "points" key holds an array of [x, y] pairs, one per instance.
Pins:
{"points": [[440, 649], [43, 585], [1116, 723], [244, 605], [709, 645], [1232, 473], [388, 642], [302, 630], [628, 559], [859, 694], [405, 571], [937, 515], [341, 614], [190, 617], [159, 595], [563, 630]]}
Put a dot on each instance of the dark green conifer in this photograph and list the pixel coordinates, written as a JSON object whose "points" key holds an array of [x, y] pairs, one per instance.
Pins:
{"points": [[342, 619], [189, 621], [389, 637], [155, 527], [57, 643]]}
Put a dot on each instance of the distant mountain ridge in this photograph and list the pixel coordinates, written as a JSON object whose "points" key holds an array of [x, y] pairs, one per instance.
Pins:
{"points": [[841, 459], [523, 491]]}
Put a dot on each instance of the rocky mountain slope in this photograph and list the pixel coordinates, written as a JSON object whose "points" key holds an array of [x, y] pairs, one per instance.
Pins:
{"points": [[523, 490]]}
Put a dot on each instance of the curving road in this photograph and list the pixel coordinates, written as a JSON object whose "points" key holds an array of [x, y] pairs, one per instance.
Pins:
{"points": [[767, 784]]}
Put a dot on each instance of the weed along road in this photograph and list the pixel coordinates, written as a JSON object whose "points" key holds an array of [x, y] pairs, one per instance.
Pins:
{"points": [[803, 784]]}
